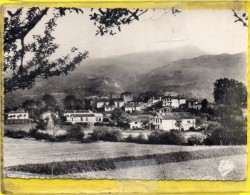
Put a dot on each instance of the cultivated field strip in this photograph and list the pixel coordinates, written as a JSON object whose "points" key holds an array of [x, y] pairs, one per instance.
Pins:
{"points": [[69, 167]]}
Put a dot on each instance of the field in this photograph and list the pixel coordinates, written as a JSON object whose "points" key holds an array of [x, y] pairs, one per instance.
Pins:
{"points": [[17, 127], [23, 152]]}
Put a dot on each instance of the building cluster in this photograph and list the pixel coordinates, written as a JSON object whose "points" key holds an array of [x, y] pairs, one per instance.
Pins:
{"points": [[157, 113]]}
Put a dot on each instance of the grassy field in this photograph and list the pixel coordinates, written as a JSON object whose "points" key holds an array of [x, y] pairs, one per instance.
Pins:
{"points": [[17, 127], [21, 152]]}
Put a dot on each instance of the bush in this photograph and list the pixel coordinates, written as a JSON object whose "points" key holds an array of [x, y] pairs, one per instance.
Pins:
{"points": [[195, 140], [75, 133], [40, 135], [16, 134], [172, 137], [106, 134], [42, 124], [141, 139]]}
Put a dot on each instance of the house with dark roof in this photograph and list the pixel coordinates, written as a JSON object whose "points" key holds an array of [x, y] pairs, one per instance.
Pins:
{"points": [[174, 120]]}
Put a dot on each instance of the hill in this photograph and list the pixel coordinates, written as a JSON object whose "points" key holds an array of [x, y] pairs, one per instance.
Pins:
{"points": [[195, 77]]}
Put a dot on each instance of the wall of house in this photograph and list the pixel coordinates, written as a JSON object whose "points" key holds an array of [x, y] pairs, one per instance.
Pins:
{"points": [[183, 101], [167, 125], [194, 105], [18, 116], [101, 104], [187, 124], [171, 102], [74, 120], [135, 125], [119, 104]]}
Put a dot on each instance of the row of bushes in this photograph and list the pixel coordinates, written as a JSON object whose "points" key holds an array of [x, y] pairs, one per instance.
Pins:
{"points": [[76, 133], [67, 167]]}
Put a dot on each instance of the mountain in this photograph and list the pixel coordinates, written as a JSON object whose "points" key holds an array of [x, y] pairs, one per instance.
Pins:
{"points": [[140, 62], [194, 77], [186, 70]]}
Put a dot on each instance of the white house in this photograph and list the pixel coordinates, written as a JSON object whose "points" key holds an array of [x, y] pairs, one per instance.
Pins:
{"points": [[194, 104], [136, 124], [116, 102], [133, 106], [173, 101], [18, 117], [84, 117], [174, 120]]}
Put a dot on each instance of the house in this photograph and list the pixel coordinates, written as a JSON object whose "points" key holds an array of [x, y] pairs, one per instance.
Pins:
{"points": [[135, 124], [18, 116], [127, 96], [85, 117], [194, 104], [133, 106], [108, 108], [174, 120], [104, 102], [154, 100], [164, 110], [173, 101]]}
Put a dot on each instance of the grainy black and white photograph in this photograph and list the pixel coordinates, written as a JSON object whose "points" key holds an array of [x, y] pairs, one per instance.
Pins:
{"points": [[101, 93]]}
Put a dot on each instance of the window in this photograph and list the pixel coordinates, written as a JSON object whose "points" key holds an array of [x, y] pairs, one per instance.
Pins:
{"points": [[136, 122], [81, 119], [96, 118], [100, 119], [24, 115], [87, 119]]}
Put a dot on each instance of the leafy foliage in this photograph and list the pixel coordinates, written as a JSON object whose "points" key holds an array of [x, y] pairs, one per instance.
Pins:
{"points": [[75, 132], [22, 73], [73, 103], [106, 134], [172, 137], [230, 92], [107, 19]]}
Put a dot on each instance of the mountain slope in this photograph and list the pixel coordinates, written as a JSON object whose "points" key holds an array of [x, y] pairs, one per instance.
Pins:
{"points": [[195, 76]]}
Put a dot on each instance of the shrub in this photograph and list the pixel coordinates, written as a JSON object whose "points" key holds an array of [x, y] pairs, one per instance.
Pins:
{"points": [[172, 137], [16, 134], [141, 138], [42, 124], [75, 133], [106, 134], [195, 140]]}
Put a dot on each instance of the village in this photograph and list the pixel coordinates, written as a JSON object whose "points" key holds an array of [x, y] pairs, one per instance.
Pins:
{"points": [[171, 112]]}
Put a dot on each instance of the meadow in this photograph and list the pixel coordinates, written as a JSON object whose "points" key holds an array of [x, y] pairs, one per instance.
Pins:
{"points": [[106, 160]]}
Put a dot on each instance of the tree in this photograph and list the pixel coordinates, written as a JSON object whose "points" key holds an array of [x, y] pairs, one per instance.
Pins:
{"points": [[119, 116], [71, 102], [75, 132], [49, 100], [230, 92], [21, 73]]}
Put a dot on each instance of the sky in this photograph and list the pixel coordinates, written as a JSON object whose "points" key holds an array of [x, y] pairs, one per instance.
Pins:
{"points": [[212, 31]]}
